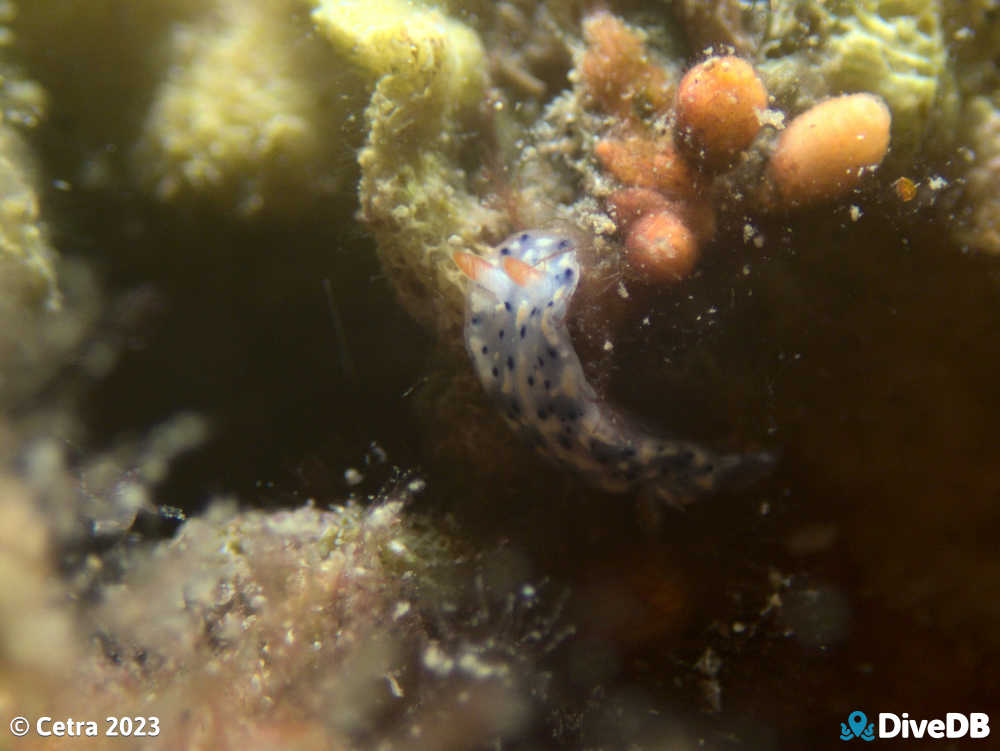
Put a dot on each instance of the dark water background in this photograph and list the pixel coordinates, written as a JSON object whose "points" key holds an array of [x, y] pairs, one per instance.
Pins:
{"points": [[864, 353]]}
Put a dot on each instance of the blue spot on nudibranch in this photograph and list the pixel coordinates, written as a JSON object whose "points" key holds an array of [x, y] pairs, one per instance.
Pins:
{"points": [[524, 330], [505, 251], [510, 363], [507, 306]]}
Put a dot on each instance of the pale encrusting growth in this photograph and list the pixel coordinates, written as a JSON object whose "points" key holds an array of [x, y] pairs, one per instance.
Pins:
{"points": [[981, 229]]}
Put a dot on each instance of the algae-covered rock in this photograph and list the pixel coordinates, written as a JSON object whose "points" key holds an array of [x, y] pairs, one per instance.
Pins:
{"points": [[430, 76], [252, 112], [230, 104], [982, 229], [894, 49], [27, 270]]}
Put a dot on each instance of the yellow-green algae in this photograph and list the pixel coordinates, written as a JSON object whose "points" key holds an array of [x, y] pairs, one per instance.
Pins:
{"points": [[894, 48], [251, 112], [231, 104], [27, 270], [430, 73]]}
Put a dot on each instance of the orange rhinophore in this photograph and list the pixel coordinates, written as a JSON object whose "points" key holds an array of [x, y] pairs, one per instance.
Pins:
{"points": [[471, 265], [520, 273]]}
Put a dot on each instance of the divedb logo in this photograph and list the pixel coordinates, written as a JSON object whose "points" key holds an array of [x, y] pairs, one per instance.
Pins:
{"points": [[974, 725]]}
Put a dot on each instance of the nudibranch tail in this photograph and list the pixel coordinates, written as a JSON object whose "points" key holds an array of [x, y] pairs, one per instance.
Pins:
{"points": [[516, 334]]}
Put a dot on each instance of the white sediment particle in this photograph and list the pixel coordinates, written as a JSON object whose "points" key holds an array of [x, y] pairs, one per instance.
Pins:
{"points": [[937, 182], [394, 688], [437, 661], [854, 211], [774, 118], [353, 477], [397, 547], [470, 664]]}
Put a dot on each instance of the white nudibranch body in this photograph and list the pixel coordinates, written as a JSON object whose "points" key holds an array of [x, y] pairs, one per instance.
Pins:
{"points": [[516, 334]]}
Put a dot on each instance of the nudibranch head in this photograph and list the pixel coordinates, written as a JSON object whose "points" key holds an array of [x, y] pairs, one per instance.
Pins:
{"points": [[529, 265]]}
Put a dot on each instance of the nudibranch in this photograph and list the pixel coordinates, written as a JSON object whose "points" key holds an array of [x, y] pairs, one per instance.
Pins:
{"points": [[516, 334]]}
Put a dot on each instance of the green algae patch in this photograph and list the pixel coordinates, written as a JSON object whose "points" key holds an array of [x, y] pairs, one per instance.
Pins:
{"points": [[430, 76], [252, 113], [894, 48]]}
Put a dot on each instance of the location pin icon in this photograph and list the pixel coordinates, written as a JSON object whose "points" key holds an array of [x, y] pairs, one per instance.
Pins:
{"points": [[857, 721]]}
